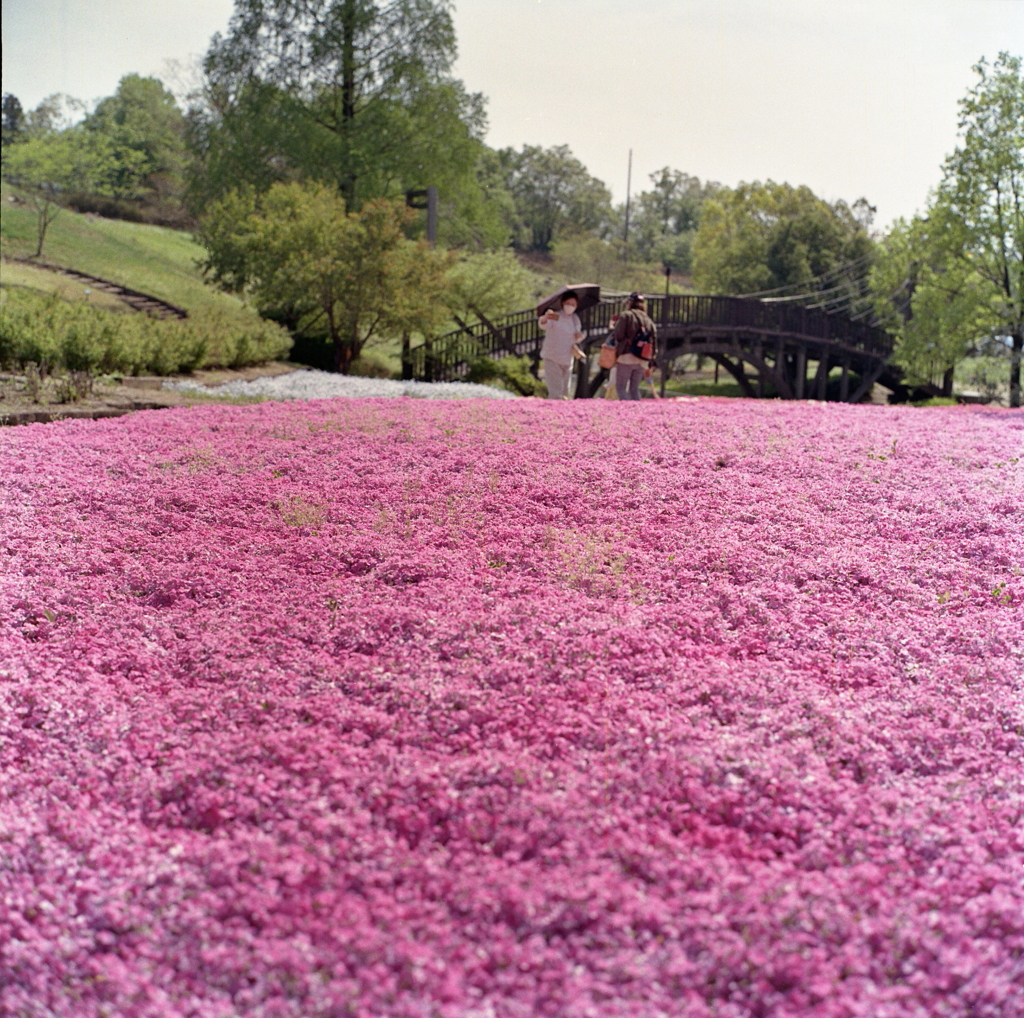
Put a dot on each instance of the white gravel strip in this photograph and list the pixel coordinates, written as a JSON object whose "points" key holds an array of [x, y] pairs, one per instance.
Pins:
{"points": [[309, 384]]}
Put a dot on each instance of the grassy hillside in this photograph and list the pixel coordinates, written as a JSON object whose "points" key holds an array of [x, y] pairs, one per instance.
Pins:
{"points": [[87, 330], [28, 277], [153, 259]]}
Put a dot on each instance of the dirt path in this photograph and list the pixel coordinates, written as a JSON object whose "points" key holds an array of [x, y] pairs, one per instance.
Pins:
{"points": [[144, 302]]}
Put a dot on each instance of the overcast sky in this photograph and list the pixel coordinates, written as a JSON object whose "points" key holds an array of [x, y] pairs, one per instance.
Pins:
{"points": [[852, 97]]}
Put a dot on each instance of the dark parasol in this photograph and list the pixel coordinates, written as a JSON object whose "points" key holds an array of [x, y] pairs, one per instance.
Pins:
{"points": [[588, 295]]}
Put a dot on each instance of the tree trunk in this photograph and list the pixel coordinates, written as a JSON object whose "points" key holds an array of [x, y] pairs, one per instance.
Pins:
{"points": [[947, 382], [348, 103], [1015, 358], [344, 355], [48, 212], [406, 358], [344, 349], [41, 226]]}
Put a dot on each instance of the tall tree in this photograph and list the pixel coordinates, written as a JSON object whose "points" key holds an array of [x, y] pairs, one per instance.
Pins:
{"points": [[146, 131], [665, 218], [758, 237], [489, 284], [55, 113], [553, 195], [345, 66], [13, 119], [983, 191]]}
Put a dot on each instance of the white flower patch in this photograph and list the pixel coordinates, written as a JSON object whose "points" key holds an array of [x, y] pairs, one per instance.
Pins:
{"points": [[311, 384]]}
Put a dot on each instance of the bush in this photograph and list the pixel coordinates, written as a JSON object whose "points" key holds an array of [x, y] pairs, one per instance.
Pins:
{"points": [[59, 334], [512, 373], [150, 210], [985, 374], [374, 364], [936, 401], [108, 208]]}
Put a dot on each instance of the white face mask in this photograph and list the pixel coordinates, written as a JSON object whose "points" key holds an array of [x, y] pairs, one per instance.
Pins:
{"points": [[569, 309]]}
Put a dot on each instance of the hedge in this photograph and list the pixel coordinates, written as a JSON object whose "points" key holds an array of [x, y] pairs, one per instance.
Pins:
{"points": [[61, 334]]}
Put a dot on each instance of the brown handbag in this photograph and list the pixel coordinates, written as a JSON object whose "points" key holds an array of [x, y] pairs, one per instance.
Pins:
{"points": [[607, 357]]}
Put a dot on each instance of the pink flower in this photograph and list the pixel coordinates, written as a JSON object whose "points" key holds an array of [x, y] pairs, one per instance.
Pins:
{"points": [[385, 707]]}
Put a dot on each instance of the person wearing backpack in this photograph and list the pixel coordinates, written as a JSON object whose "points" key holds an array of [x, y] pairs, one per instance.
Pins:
{"points": [[635, 337]]}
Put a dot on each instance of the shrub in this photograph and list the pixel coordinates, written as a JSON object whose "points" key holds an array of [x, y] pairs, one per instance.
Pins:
{"points": [[512, 373], [936, 401], [61, 334]]}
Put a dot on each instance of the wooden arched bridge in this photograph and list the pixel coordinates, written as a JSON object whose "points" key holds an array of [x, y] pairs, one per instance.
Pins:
{"points": [[792, 349]]}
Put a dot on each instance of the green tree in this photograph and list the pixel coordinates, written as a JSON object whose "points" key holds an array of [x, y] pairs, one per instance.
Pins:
{"points": [[983, 193], [349, 92], [553, 195], [584, 258], [420, 295], [665, 219], [13, 120], [936, 303], [759, 237], [146, 132], [253, 136], [488, 285], [51, 167], [361, 72], [54, 114], [297, 248]]}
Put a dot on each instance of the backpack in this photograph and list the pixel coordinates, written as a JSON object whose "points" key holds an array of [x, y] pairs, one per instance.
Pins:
{"points": [[641, 345]]}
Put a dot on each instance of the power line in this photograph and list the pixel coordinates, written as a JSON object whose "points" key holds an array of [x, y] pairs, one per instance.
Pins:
{"points": [[823, 278], [845, 286]]}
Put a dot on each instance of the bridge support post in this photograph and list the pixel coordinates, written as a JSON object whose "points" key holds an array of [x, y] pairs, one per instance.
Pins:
{"points": [[801, 370], [781, 365], [428, 361], [867, 381], [737, 372], [582, 369], [821, 378], [844, 382]]}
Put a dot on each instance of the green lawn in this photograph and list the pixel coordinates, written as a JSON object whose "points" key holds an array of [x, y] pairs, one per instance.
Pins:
{"points": [[152, 259], [678, 387]]}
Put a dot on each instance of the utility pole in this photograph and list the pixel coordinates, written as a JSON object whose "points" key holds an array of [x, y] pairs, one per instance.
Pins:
{"points": [[629, 189], [432, 215], [668, 290]]}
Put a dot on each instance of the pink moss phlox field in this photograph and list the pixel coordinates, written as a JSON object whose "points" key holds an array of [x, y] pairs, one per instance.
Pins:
{"points": [[397, 709]]}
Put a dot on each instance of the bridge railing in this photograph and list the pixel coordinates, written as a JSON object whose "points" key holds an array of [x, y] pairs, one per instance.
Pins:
{"points": [[449, 356], [784, 319]]}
